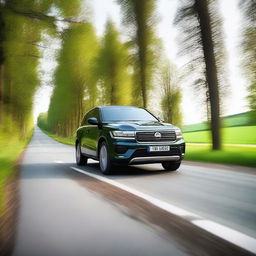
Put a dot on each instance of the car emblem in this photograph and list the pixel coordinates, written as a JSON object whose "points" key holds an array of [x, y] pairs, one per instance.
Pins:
{"points": [[158, 135]]}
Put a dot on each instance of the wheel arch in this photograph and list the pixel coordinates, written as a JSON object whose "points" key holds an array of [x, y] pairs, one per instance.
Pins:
{"points": [[99, 143]]}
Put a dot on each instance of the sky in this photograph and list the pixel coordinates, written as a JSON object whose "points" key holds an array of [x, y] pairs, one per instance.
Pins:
{"points": [[235, 101]]}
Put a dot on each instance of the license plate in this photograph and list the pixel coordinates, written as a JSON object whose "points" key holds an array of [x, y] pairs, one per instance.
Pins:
{"points": [[158, 148]]}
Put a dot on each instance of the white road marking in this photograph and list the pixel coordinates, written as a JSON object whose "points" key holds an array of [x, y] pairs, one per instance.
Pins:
{"points": [[235, 237], [228, 234], [161, 204], [58, 162]]}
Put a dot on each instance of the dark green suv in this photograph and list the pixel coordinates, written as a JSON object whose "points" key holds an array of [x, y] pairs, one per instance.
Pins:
{"points": [[128, 135]]}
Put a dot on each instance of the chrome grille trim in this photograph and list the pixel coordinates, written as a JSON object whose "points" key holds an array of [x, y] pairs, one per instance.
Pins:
{"points": [[167, 136]]}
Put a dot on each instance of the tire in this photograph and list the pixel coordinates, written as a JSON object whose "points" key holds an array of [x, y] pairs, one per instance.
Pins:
{"points": [[171, 166], [80, 159], [104, 160]]}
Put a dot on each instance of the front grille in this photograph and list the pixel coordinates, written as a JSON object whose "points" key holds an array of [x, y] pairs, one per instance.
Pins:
{"points": [[174, 151], [146, 136]]}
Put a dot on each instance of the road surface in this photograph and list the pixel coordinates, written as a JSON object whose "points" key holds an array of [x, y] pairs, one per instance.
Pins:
{"points": [[63, 211]]}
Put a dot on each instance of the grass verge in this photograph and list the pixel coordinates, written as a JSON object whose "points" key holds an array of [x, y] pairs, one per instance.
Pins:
{"points": [[234, 155], [64, 140], [11, 148], [231, 135]]}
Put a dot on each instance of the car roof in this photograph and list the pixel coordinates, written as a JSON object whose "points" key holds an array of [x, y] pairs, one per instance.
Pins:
{"points": [[117, 106]]}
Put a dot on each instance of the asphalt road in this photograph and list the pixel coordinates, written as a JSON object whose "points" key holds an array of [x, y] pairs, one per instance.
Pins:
{"points": [[63, 212]]}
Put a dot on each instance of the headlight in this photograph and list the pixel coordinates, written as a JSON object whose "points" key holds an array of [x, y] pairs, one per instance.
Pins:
{"points": [[124, 134], [178, 134]]}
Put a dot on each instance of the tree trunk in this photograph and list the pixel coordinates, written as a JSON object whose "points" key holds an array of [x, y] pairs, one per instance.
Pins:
{"points": [[201, 7], [1, 91], [142, 51], [1, 63]]}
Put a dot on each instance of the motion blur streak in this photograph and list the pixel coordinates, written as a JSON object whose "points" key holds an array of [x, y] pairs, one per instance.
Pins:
{"points": [[226, 233]]}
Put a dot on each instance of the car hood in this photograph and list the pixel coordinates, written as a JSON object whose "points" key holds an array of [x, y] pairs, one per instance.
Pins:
{"points": [[133, 126]]}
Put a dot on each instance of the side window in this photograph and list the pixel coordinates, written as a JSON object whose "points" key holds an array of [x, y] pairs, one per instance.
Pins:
{"points": [[92, 113], [83, 121], [96, 114], [89, 114]]}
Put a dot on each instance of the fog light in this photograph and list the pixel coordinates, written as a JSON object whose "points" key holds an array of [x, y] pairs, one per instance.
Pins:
{"points": [[182, 148], [120, 149]]}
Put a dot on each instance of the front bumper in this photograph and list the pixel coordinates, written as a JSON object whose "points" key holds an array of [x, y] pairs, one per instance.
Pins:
{"points": [[132, 152], [153, 159]]}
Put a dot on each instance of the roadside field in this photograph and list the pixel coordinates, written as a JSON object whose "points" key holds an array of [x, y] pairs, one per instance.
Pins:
{"points": [[234, 155], [241, 119], [231, 135]]}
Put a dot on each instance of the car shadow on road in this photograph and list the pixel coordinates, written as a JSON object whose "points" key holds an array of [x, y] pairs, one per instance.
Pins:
{"points": [[122, 171], [61, 170]]}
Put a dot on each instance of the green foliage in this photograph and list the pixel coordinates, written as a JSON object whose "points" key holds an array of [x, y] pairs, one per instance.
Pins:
{"points": [[75, 84], [234, 155], [113, 65], [171, 94], [21, 24], [249, 52], [231, 135], [13, 146], [139, 18], [42, 121], [20, 70]]}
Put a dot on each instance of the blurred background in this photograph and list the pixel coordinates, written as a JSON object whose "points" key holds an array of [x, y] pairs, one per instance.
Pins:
{"points": [[191, 62]]}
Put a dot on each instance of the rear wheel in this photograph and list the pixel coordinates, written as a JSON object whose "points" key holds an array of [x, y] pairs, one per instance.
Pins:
{"points": [[80, 159], [171, 166], [105, 163]]}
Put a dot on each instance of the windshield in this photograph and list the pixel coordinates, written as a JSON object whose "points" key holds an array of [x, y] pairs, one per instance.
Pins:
{"points": [[116, 114]]}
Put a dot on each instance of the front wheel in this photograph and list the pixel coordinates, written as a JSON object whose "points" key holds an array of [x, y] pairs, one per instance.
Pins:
{"points": [[80, 159], [105, 163], [171, 166]]}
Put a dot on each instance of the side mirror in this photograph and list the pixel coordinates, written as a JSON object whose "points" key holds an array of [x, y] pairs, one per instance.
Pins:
{"points": [[93, 121]]}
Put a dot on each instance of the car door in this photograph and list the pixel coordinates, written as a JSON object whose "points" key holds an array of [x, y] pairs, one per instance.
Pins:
{"points": [[94, 133], [91, 135], [85, 130]]}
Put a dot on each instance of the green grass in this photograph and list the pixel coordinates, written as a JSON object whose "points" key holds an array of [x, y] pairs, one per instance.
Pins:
{"points": [[11, 148], [234, 155], [231, 135], [64, 140], [242, 119]]}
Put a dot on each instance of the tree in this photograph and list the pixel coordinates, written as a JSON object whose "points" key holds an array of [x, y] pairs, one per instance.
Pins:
{"points": [[21, 26], [171, 94], [200, 22], [75, 84], [139, 16], [249, 51], [113, 65]]}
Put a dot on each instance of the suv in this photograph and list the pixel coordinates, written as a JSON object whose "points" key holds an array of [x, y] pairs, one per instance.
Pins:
{"points": [[128, 135]]}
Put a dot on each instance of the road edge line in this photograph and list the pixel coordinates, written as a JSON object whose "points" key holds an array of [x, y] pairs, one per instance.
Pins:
{"points": [[235, 237]]}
